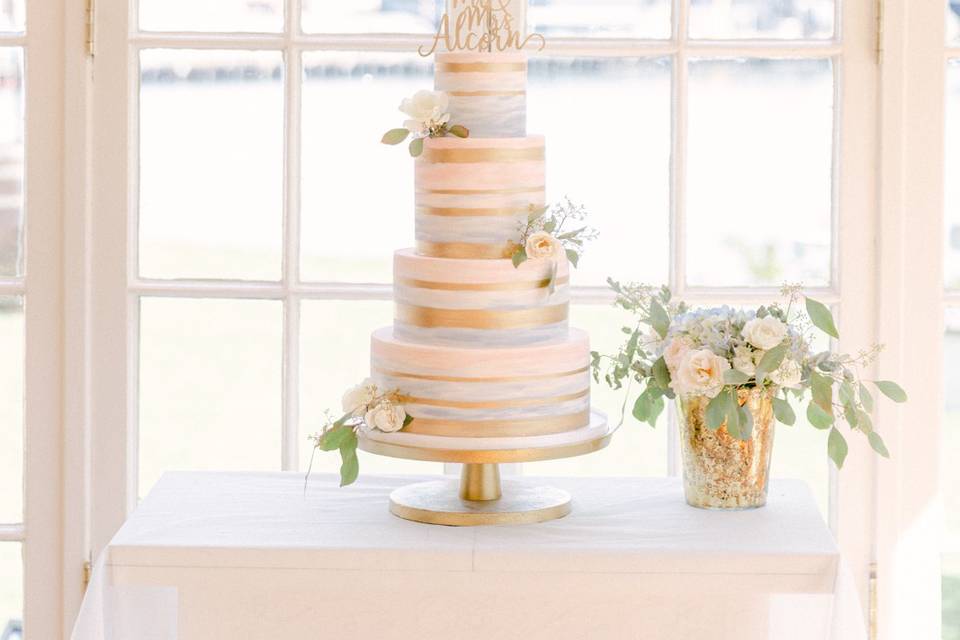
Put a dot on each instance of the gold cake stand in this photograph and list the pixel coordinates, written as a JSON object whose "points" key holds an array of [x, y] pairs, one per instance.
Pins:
{"points": [[481, 497]]}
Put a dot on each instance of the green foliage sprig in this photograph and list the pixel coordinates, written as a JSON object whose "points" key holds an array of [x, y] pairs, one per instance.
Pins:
{"points": [[555, 222], [788, 368], [396, 136]]}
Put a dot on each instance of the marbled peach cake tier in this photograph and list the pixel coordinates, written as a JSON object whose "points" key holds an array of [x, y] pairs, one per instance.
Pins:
{"points": [[473, 195], [488, 91], [479, 303], [478, 393]]}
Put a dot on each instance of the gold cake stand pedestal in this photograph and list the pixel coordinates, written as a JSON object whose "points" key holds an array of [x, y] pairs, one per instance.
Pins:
{"points": [[481, 497]]}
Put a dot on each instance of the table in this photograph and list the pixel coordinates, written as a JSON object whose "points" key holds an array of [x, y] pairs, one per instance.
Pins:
{"points": [[249, 555]]}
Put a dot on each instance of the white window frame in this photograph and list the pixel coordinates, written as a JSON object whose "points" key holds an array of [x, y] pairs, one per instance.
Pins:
{"points": [[883, 260]]}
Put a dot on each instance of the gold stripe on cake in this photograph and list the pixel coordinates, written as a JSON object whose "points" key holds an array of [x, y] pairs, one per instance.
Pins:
{"points": [[528, 154], [481, 286], [465, 250], [432, 317], [514, 403], [485, 94], [489, 379], [489, 67], [485, 212], [539, 426], [483, 192]]}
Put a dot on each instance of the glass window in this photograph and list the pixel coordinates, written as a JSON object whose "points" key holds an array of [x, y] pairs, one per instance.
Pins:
{"points": [[211, 164], [371, 16], [953, 21], [11, 162], [600, 18], [626, 193], [950, 482], [759, 172], [349, 180], [11, 590], [774, 19], [11, 411], [211, 15], [210, 385], [12, 14], [951, 234]]}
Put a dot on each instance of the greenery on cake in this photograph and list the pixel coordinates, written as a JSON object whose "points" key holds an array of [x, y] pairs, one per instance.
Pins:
{"points": [[427, 118], [673, 350], [547, 233], [366, 407]]}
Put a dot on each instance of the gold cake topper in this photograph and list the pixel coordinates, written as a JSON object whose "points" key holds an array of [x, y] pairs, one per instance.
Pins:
{"points": [[493, 16]]}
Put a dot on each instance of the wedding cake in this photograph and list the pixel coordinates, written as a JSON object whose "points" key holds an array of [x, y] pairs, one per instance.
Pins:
{"points": [[480, 350]]}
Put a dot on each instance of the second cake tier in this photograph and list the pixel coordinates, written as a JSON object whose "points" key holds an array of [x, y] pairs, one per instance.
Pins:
{"points": [[501, 392], [479, 303]]}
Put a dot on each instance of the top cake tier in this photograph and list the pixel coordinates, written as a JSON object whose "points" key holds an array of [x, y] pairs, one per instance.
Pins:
{"points": [[488, 91]]}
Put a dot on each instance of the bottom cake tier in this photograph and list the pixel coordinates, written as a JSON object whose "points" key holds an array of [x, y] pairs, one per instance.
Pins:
{"points": [[541, 390]]}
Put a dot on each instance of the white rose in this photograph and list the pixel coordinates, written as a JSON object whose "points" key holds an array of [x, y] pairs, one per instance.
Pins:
{"points": [[386, 416], [356, 399], [764, 333], [426, 109], [743, 361], [541, 245], [788, 374], [675, 352], [700, 373]]}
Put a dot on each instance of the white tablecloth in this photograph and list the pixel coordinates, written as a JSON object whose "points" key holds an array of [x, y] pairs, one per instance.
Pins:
{"points": [[246, 555]]}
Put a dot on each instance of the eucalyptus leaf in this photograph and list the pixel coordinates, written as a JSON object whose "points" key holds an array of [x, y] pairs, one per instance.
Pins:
{"points": [[536, 214], [865, 398], [573, 257], [818, 417], [850, 415], [407, 420], [892, 390], [746, 423], [349, 464], [877, 443], [770, 361], [519, 256], [416, 147], [661, 373], [716, 412], [549, 226], [656, 408], [821, 388], [784, 412], [837, 447], [866, 424], [821, 317], [642, 406], [659, 319], [395, 136], [733, 412], [334, 438], [460, 131], [735, 377]]}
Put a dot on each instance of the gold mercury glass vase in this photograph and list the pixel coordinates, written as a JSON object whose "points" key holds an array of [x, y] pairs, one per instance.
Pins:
{"points": [[720, 471]]}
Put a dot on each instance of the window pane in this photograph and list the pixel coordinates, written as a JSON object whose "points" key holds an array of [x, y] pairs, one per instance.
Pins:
{"points": [[780, 19], [950, 481], [371, 16], [11, 411], [952, 203], [353, 187], [210, 385], [211, 15], [600, 19], [11, 589], [953, 23], [12, 13], [211, 164], [11, 161], [334, 356], [636, 449], [759, 172], [629, 201]]}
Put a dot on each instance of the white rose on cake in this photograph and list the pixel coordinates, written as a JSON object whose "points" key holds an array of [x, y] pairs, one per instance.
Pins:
{"points": [[357, 398], [386, 416], [700, 373], [788, 374], [541, 245], [426, 109], [764, 333]]}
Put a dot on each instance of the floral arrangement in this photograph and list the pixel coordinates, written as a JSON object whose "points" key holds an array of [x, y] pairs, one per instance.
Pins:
{"points": [[365, 406], [674, 351], [427, 118], [545, 233]]}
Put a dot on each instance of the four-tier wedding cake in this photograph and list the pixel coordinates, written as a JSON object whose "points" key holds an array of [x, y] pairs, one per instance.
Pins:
{"points": [[480, 351]]}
